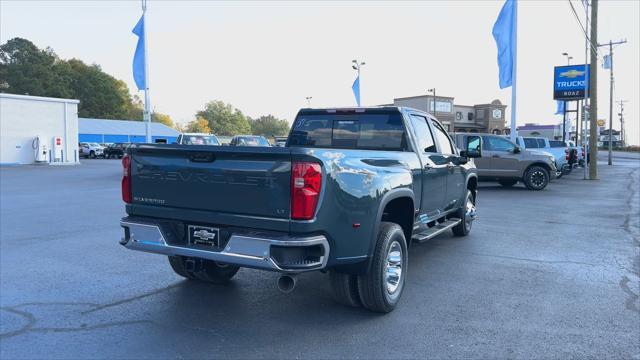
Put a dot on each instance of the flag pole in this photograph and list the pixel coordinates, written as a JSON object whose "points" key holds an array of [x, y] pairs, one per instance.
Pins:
{"points": [[147, 100], [514, 131]]}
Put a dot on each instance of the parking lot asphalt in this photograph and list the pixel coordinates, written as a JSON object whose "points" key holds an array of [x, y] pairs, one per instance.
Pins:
{"points": [[549, 274]]}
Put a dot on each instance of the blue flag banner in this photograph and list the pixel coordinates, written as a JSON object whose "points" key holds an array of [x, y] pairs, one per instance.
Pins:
{"points": [[560, 107], [504, 32], [607, 62], [356, 90], [138, 57]]}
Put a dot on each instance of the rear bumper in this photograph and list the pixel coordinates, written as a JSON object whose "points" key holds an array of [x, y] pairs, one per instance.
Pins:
{"points": [[266, 251]]}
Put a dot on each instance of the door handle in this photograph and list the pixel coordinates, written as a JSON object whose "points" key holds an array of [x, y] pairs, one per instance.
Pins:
{"points": [[428, 167]]}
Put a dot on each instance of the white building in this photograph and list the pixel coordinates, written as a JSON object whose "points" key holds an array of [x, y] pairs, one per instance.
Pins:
{"points": [[23, 119]]}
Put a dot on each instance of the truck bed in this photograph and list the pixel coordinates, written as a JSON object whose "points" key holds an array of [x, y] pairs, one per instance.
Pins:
{"points": [[240, 181]]}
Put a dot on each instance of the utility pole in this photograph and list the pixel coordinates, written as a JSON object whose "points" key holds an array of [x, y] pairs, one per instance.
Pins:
{"points": [[586, 91], [621, 114], [593, 101], [610, 64]]}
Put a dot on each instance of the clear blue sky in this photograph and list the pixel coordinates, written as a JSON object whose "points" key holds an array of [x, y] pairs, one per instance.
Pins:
{"points": [[265, 57]]}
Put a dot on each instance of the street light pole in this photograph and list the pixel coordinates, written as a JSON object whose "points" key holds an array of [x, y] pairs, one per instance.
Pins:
{"points": [[564, 107], [433, 91], [357, 65]]}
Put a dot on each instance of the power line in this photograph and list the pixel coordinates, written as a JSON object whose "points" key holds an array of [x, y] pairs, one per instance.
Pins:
{"points": [[594, 48]]}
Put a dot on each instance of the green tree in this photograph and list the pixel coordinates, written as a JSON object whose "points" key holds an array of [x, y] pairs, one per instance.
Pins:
{"points": [[224, 119], [199, 125], [25, 69], [269, 125], [162, 118], [28, 70]]}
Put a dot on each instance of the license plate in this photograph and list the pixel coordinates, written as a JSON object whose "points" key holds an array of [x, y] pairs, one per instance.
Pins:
{"points": [[204, 236]]}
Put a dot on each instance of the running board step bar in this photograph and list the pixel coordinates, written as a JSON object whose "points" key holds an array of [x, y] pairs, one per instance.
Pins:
{"points": [[435, 231]]}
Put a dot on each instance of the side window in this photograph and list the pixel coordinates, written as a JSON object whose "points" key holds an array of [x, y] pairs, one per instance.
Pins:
{"points": [[541, 143], [531, 143], [425, 139], [499, 144], [444, 143]]}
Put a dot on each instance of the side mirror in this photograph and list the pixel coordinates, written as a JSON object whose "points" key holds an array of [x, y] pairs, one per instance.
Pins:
{"points": [[473, 147], [517, 150]]}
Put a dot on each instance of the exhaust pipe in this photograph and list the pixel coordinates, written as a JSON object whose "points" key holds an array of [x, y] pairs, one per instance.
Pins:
{"points": [[286, 283]]}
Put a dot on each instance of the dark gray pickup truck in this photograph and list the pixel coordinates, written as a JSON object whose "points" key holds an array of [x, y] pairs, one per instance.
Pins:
{"points": [[347, 195]]}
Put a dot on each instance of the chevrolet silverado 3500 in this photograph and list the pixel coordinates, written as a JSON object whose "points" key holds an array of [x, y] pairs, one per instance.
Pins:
{"points": [[347, 195]]}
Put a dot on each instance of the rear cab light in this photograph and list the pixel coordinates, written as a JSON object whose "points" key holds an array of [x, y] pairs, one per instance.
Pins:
{"points": [[306, 182], [126, 179]]}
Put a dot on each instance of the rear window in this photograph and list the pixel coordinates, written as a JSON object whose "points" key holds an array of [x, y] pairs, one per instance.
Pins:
{"points": [[200, 140], [373, 131], [252, 141], [556, 144]]}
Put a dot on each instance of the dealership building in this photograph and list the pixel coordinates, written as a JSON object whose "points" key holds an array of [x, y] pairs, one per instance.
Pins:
{"points": [[38, 129], [123, 131], [480, 118], [35, 129]]}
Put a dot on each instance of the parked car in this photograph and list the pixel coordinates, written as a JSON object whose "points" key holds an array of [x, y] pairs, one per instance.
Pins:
{"points": [[197, 139], [91, 150], [115, 150], [249, 140], [349, 193], [280, 141], [558, 150], [507, 163]]}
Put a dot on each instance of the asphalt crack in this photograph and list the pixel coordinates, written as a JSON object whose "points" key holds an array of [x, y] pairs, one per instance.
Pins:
{"points": [[31, 319]]}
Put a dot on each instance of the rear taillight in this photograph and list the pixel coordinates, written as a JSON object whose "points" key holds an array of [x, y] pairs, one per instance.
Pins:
{"points": [[306, 180], [126, 179]]}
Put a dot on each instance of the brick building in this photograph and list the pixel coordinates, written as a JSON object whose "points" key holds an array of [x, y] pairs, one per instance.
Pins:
{"points": [[481, 118]]}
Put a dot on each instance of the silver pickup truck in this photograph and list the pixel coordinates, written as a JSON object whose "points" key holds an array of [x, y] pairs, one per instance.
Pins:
{"points": [[507, 163]]}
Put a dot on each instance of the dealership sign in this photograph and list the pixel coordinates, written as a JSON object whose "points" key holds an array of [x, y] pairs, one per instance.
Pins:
{"points": [[570, 82]]}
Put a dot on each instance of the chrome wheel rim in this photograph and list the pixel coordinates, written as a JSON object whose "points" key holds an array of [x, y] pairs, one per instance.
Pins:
{"points": [[393, 268], [537, 178], [470, 213]]}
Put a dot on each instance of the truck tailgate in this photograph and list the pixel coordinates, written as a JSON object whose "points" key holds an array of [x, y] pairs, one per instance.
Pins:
{"points": [[238, 180]]}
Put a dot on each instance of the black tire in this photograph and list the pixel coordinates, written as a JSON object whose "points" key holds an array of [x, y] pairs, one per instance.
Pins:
{"points": [[373, 287], [209, 271], [215, 272], [536, 178], [464, 227], [508, 183], [345, 288], [106, 156], [566, 169], [92, 154]]}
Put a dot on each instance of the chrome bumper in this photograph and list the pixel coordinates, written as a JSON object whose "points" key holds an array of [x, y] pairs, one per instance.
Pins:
{"points": [[246, 250]]}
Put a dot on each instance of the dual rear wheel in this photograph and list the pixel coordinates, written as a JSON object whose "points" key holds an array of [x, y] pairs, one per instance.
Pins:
{"points": [[380, 289]]}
